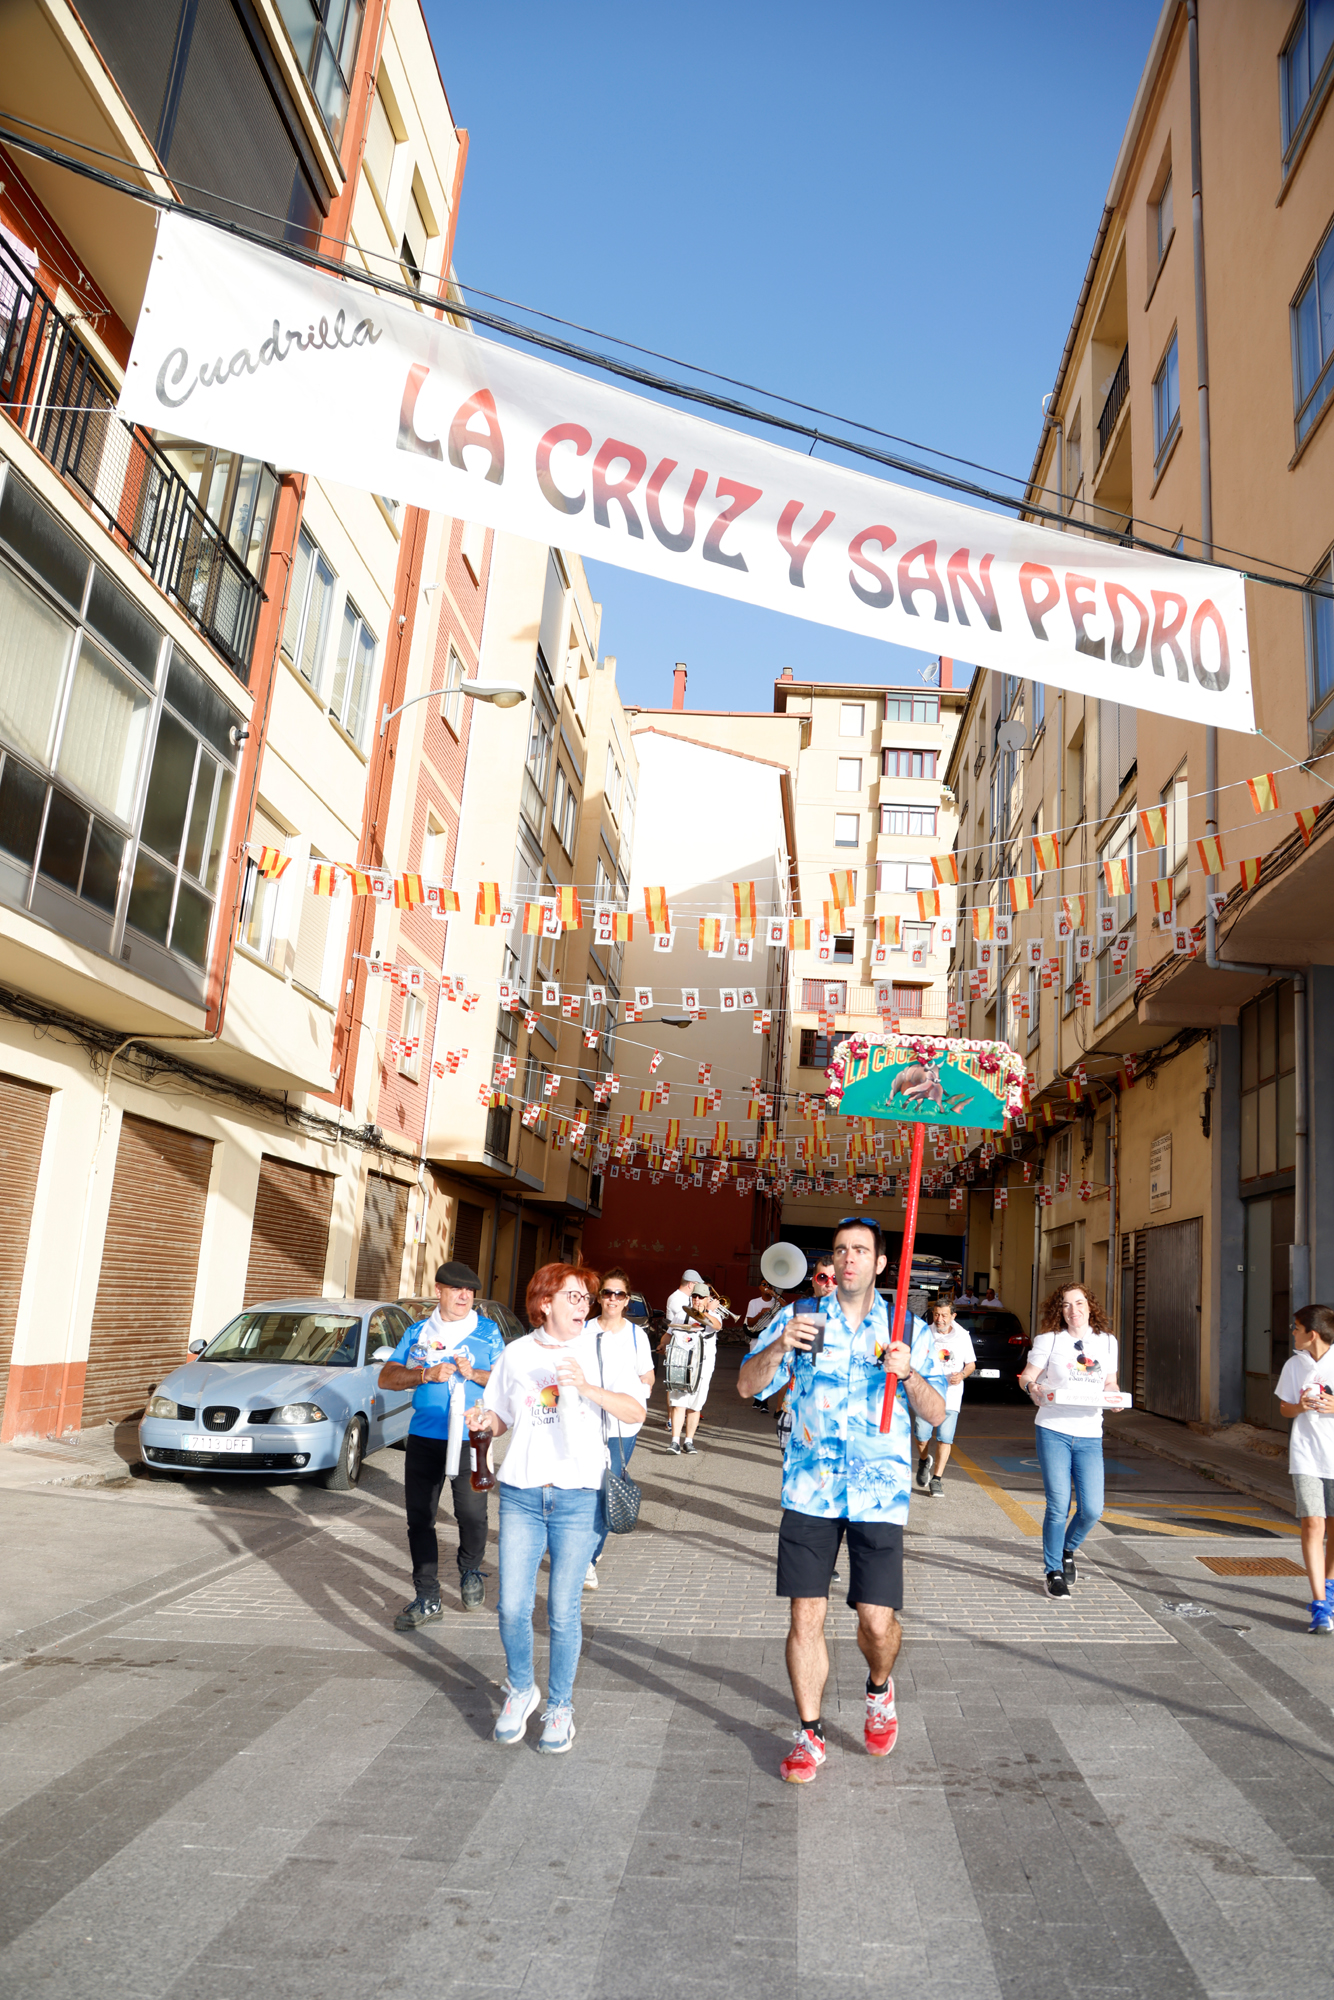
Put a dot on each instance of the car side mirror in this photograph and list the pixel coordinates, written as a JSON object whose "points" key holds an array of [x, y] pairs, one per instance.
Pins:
{"points": [[197, 1346], [383, 1354]]}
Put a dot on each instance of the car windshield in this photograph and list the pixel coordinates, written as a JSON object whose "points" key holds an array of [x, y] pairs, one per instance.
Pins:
{"points": [[324, 1339], [1002, 1325]]}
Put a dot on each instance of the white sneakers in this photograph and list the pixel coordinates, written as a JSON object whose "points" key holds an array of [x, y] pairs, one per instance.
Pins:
{"points": [[513, 1718]]}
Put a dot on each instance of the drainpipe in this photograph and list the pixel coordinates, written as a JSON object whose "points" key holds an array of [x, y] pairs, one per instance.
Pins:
{"points": [[1299, 1257]]}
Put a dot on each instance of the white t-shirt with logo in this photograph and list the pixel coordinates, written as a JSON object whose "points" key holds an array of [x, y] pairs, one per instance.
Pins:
{"points": [[1311, 1443], [523, 1391], [1066, 1357], [953, 1350], [624, 1340]]}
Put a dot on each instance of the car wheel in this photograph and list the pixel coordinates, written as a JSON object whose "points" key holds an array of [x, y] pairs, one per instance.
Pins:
{"points": [[342, 1476]]}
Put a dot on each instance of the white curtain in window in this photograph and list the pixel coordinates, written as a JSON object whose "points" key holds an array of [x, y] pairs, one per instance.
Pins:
{"points": [[34, 652], [103, 737]]}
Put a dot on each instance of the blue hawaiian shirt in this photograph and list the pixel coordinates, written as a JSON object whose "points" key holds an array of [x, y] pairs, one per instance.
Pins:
{"points": [[838, 1464]]}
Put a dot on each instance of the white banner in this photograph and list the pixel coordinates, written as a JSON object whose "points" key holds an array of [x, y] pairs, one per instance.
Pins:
{"points": [[248, 349]]}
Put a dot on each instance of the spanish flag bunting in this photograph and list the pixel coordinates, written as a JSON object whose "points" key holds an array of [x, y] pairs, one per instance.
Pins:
{"points": [[440, 899], [1116, 874], [1212, 858], [984, 923], [622, 927], [743, 902], [799, 934], [710, 933], [928, 903], [324, 879], [408, 892], [945, 867], [569, 909], [703, 1106], [1072, 1090], [646, 1098], [1264, 792], [1074, 909], [1250, 872], [1153, 826], [488, 903], [272, 862], [887, 930], [672, 1137], [720, 1134], [656, 910], [1305, 817], [1046, 851], [626, 1127], [360, 880], [534, 916], [1021, 892], [843, 883], [1161, 887]]}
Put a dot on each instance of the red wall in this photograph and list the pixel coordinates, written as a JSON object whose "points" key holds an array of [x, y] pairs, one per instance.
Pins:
{"points": [[655, 1232]]}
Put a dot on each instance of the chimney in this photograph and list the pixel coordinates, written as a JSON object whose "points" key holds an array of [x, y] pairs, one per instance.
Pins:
{"points": [[946, 672], [679, 685], [786, 674]]}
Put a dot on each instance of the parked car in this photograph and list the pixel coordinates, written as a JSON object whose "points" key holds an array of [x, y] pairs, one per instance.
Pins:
{"points": [[999, 1342], [288, 1386], [511, 1326]]}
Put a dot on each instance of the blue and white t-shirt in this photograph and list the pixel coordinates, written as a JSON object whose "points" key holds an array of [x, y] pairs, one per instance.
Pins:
{"points": [[433, 1340]]}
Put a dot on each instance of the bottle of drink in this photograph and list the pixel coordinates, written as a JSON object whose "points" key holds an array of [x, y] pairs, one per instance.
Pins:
{"points": [[483, 1478]]}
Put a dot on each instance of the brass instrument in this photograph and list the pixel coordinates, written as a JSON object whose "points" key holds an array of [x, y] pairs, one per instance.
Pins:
{"points": [[707, 1300]]}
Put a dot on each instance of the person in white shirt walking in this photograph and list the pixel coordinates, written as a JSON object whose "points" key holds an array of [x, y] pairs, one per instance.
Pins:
{"points": [[1305, 1394], [621, 1337], [955, 1353], [1073, 1350]]}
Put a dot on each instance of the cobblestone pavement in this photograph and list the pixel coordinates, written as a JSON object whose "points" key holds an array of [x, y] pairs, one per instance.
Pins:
{"points": [[224, 1775]]}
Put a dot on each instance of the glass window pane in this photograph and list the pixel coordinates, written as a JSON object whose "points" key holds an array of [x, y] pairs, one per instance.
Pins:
{"points": [[1266, 1117], [317, 621], [1287, 1039], [301, 23], [189, 933], [1322, 641], [102, 739], [169, 787], [219, 833], [22, 795], [206, 711], [1287, 1121], [1249, 1137], [1320, 16], [1268, 1036], [362, 682], [35, 645], [1307, 317], [346, 641], [199, 812], [65, 838], [101, 870], [296, 602], [150, 897], [1250, 1048], [117, 618], [44, 543]]}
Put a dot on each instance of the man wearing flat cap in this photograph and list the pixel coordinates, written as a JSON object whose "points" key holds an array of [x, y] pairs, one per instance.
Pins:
{"points": [[454, 1345]]}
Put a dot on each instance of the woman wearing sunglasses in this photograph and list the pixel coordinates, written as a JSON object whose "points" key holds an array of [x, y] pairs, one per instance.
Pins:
{"points": [[550, 1393], [620, 1336], [1075, 1346]]}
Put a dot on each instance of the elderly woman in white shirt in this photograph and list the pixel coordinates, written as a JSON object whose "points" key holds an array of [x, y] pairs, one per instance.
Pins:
{"points": [[549, 1391]]}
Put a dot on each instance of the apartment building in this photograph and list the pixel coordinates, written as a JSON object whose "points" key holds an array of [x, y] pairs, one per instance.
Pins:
{"points": [[1173, 1038]]}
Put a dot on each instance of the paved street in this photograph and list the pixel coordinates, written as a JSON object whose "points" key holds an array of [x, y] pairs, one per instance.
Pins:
{"points": [[226, 1775]]}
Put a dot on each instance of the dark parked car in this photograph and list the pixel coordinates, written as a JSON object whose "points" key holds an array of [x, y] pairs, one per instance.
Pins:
{"points": [[999, 1342]]}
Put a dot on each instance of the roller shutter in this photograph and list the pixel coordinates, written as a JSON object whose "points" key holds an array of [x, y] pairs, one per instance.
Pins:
{"points": [[289, 1241], [527, 1266], [150, 1261], [23, 1109], [384, 1225], [468, 1234]]}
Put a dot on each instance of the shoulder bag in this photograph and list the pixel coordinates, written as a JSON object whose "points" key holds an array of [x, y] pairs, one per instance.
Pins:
{"points": [[621, 1495]]}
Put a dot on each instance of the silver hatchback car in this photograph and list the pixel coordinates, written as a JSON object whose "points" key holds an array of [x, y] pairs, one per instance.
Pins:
{"points": [[289, 1386]]}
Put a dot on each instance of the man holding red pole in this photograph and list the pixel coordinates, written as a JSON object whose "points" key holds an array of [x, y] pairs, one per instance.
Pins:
{"points": [[845, 1477]]}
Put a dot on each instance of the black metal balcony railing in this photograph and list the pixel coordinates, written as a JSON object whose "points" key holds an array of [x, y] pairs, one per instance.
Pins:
{"points": [[58, 397], [1111, 409]]}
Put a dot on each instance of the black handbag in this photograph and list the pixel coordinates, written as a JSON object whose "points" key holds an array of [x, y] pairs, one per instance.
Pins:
{"points": [[621, 1495]]}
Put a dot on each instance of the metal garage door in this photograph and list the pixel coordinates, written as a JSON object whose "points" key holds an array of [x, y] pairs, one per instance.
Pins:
{"points": [[1172, 1320], [146, 1287], [383, 1227], [289, 1240], [23, 1109], [468, 1234]]}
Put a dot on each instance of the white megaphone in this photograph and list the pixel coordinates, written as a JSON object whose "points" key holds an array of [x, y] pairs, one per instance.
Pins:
{"points": [[783, 1266]]}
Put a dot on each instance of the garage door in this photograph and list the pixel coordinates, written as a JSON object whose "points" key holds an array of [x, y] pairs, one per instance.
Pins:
{"points": [[468, 1234], [146, 1287], [384, 1225], [1172, 1320], [23, 1109], [289, 1240]]}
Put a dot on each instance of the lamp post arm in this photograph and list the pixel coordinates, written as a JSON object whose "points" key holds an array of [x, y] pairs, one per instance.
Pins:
{"points": [[387, 714]]}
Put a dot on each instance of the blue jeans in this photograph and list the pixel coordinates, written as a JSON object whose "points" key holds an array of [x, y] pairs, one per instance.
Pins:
{"points": [[1066, 1460], [534, 1519], [620, 1449]]}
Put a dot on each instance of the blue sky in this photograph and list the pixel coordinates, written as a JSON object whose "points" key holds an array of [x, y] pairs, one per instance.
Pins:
{"points": [[885, 209]]}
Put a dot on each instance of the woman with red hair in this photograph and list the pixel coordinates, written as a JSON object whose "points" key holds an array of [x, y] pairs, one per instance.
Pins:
{"points": [[556, 1393]]}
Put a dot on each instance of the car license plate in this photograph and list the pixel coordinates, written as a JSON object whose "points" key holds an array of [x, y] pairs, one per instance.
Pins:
{"points": [[994, 1373], [217, 1444]]}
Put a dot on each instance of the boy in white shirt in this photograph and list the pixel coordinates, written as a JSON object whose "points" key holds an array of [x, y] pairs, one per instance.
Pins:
{"points": [[1305, 1394]]}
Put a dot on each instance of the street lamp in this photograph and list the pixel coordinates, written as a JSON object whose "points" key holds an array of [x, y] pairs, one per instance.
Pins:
{"points": [[670, 1021], [502, 694]]}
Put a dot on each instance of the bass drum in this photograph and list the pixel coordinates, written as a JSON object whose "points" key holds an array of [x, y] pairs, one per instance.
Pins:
{"points": [[683, 1365]]}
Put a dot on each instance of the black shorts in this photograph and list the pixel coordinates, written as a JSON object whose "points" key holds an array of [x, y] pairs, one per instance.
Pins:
{"points": [[808, 1546]]}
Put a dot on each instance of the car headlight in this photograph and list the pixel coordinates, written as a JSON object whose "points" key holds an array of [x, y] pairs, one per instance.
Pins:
{"points": [[163, 1406], [299, 1413]]}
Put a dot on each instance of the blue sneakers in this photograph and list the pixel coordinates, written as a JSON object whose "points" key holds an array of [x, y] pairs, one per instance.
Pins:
{"points": [[1322, 1616]]}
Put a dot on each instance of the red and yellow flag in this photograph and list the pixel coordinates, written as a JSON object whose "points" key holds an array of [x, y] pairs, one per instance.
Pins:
{"points": [[1264, 792], [703, 1106], [984, 923], [928, 903], [672, 1136], [626, 1127], [1021, 892], [569, 909], [1153, 826], [1250, 872], [408, 892], [360, 880], [656, 910], [945, 868], [1212, 858], [1161, 886], [1046, 851], [324, 879], [488, 903], [843, 883], [622, 927], [887, 930], [1305, 817], [743, 902], [646, 1098], [1075, 909], [534, 916], [1116, 874], [710, 933], [799, 934], [272, 862], [719, 1135]]}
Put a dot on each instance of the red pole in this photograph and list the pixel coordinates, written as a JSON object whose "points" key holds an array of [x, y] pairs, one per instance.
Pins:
{"points": [[905, 1268]]}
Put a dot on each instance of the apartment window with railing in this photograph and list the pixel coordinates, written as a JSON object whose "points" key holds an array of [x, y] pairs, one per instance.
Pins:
{"points": [[813, 993], [913, 820], [1114, 983], [1313, 338], [1166, 402], [901, 878], [238, 493], [905, 763], [912, 708], [1074, 459], [1268, 1084], [325, 35], [627, 819], [264, 895], [1320, 649], [1305, 70], [382, 142], [1037, 707], [527, 888]]}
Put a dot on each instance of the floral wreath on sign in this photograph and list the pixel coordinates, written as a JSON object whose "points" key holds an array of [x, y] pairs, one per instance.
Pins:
{"points": [[995, 1064]]}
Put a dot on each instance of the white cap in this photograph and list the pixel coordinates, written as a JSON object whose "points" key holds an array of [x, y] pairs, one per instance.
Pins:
{"points": [[693, 1274]]}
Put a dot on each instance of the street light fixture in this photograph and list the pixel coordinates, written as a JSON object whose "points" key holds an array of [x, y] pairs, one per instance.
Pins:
{"points": [[670, 1021], [501, 694]]}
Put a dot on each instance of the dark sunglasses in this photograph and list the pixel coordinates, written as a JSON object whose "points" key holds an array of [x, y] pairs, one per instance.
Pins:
{"points": [[613, 1295]]}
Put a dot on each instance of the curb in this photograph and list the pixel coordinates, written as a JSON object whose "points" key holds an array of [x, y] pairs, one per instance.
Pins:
{"points": [[1237, 1481]]}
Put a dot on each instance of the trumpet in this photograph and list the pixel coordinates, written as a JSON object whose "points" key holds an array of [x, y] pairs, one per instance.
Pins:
{"points": [[708, 1300]]}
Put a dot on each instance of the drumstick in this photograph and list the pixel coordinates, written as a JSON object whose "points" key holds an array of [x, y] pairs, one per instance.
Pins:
{"points": [[905, 1268]]}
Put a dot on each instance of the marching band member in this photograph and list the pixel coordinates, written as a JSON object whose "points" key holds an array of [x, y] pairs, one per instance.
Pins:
{"points": [[705, 1319]]}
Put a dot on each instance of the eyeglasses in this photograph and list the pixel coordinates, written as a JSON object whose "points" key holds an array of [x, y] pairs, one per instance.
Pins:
{"points": [[575, 1298], [605, 1294]]}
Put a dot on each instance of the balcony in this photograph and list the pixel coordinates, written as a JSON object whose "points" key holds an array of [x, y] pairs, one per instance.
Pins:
{"points": [[1111, 409], [57, 396]]}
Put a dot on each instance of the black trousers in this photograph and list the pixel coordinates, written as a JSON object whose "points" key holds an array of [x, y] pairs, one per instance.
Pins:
{"points": [[423, 1481]]}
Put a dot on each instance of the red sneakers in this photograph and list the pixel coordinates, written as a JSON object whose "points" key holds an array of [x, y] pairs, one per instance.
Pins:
{"points": [[882, 1722], [804, 1759]]}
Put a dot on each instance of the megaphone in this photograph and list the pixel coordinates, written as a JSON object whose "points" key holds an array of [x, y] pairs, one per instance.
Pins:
{"points": [[783, 1265]]}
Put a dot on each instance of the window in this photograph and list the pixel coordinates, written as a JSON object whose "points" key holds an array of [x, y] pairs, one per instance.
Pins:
{"points": [[846, 827], [843, 947], [813, 995], [541, 735], [238, 493], [306, 625], [1037, 706], [912, 708], [381, 144], [325, 34], [1320, 647], [627, 819], [1303, 68], [417, 236], [817, 1051], [412, 1027], [907, 763], [1161, 211], [263, 893], [852, 718], [1313, 338], [1166, 402], [918, 820], [564, 810], [1174, 852], [1113, 985], [451, 701], [1268, 1097], [435, 850], [354, 673], [1061, 1162], [900, 878], [849, 777], [312, 941], [612, 787], [915, 937], [601, 884], [907, 999], [1074, 460]]}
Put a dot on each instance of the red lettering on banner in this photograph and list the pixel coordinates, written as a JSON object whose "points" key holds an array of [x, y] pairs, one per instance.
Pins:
{"points": [[742, 497], [1081, 596], [408, 440], [884, 539], [1214, 681], [1164, 632], [909, 584], [481, 404], [1115, 593], [1030, 576], [619, 490], [983, 591], [575, 434], [699, 480], [798, 551]]}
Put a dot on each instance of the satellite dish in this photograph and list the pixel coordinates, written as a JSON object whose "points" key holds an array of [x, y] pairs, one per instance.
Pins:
{"points": [[783, 1265], [1012, 736]]}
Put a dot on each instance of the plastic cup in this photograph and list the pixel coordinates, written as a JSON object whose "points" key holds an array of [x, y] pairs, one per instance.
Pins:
{"points": [[814, 1324]]}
